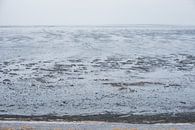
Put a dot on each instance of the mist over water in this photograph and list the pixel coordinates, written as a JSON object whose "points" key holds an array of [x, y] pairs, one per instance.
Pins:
{"points": [[96, 12]]}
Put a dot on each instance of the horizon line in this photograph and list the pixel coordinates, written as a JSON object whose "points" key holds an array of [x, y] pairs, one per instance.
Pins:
{"points": [[93, 25]]}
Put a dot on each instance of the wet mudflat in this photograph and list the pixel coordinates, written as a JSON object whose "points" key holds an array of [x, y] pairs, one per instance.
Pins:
{"points": [[61, 72]]}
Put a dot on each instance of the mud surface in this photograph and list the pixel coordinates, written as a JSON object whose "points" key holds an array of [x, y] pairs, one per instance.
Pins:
{"points": [[83, 71]]}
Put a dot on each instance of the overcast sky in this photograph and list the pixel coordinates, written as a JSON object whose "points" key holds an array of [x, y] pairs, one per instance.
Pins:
{"points": [[96, 12]]}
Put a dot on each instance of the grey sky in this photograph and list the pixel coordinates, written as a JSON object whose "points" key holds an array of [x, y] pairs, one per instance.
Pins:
{"points": [[96, 12]]}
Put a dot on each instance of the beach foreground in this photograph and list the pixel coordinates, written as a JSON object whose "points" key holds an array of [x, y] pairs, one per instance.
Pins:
{"points": [[24, 125]]}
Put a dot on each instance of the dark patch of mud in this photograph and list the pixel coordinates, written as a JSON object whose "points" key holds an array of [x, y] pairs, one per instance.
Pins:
{"points": [[141, 83], [75, 60], [7, 81], [123, 85], [41, 80], [109, 117]]}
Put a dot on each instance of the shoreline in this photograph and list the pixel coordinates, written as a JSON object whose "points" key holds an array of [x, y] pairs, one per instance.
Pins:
{"points": [[38, 125], [117, 118]]}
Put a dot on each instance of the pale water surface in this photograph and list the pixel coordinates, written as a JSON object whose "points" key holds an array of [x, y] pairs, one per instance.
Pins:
{"points": [[76, 70]]}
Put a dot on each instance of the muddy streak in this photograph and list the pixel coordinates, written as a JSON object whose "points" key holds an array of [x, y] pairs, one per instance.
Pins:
{"points": [[133, 119]]}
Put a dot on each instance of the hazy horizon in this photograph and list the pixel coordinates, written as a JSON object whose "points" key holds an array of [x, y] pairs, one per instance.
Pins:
{"points": [[96, 12]]}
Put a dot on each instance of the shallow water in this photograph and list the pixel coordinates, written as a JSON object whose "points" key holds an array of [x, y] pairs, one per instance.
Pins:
{"points": [[97, 70]]}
